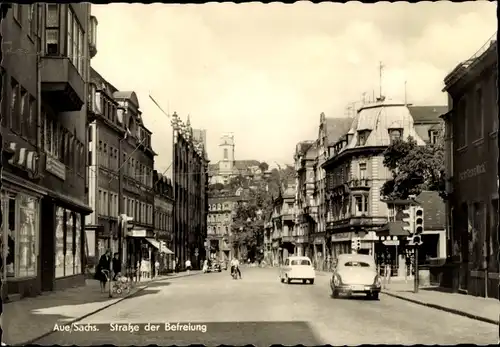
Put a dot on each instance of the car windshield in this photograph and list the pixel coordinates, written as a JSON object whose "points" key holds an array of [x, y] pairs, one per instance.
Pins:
{"points": [[356, 264], [301, 262]]}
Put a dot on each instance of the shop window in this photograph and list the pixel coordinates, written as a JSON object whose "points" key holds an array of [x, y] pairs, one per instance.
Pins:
{"points": [[20, 234], [68, 243], [493, 248]]}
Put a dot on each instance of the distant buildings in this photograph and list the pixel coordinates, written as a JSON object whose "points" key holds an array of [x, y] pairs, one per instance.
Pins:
{"points": [[219, 223], [472, 163], [228, 167], [283, 225]]}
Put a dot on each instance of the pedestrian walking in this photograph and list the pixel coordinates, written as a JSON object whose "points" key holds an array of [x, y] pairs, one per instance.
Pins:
{"points": [[176, 264], [117, 266], [103, 266], [188, 266], [157, 268], [205, 266]]}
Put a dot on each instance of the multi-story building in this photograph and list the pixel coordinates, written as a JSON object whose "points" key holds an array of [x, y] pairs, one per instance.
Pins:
{"points": [[228, 167], [190, 181], [220, 217], [164, 219], [472, 154], [428, 123], [330, 131], [283, 222], [355, 174], [305, 215], [44, 72], [120, 171]]}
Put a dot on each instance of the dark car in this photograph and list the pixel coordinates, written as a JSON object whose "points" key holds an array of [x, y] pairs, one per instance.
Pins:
{"points": [[215, 267]]}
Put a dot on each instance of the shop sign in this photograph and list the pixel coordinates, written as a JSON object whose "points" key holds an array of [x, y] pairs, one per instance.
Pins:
{"points": [[29, 161], [137, 233], [472, 172], [341, 237], [55, 167]]}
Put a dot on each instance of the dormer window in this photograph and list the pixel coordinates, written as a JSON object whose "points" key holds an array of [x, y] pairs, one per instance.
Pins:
{"points": [[349, 138], [395, 134], [433, 136], [362, 137]]}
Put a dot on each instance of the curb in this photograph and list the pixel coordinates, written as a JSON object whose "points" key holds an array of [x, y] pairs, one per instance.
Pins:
{"points": [[77, 319], [445, 309]]}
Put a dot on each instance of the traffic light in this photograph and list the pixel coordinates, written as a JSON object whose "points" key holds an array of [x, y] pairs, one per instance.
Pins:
{"points": [[409, 219], [358, 244], [419, 220], [124, 224]]}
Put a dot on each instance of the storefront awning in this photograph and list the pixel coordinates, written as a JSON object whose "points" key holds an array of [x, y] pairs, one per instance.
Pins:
{"points": [[159, 245]]}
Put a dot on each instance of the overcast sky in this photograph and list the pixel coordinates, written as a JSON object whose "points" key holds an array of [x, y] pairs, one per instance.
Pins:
{"points": [[266, 72]]}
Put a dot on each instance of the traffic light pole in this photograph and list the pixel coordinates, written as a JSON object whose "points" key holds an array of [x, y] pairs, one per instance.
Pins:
{"points": [[416, 279]]}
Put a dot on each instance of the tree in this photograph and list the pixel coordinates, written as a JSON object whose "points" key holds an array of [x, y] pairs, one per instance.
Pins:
{"points": [[237, 182], [263, 166], [414, 168], [247, 229], [215, 187]]}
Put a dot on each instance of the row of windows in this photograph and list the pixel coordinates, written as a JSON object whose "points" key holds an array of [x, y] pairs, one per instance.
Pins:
{"points": [[138, 171], [218, 207], [61, 144], [141, 211], [163, 220], [107, 156], [356, 205], [75, 49], [56, 140], [219, 217], [22, 116], [471, 111], [32, 13], [107, 204], [218, 230]]}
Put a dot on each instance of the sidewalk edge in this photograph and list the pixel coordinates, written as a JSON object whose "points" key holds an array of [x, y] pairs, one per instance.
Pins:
{"points": [[444, 308], [77, 319]]}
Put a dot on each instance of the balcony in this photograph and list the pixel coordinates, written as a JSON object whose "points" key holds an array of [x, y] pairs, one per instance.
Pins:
{"points": [[359, 184], [287, 238], [288, 217], [62, 86]]}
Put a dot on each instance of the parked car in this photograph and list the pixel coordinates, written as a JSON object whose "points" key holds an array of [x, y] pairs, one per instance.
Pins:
{"points": [[297, 268], [355, 274]]}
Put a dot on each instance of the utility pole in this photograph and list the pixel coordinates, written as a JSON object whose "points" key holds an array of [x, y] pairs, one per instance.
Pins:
{"points": [[380, 69], [406, 101]]}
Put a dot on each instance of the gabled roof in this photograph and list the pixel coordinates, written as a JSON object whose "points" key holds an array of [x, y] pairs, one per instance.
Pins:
{"points": [[434, 210], [427, 114], [336, 128], [128, 95]]}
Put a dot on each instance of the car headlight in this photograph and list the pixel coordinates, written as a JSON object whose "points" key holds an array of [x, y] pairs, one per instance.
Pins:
{"points": [[336, 280], [377, 281]]}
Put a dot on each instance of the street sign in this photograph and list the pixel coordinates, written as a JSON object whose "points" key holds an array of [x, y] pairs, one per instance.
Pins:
{"points": [[391, 242]]}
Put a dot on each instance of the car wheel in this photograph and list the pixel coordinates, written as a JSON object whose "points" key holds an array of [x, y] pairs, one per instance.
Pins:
{"points": [[282, 280], [288, 280], [311, 281], [335, 294], [374, 296], [304, 281]]}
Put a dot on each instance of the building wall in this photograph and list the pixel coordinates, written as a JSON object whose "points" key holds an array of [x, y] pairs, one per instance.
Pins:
{"points": [[475, 178], [52, 176]]}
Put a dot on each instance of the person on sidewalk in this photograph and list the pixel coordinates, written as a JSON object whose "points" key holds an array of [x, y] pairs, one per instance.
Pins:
{"points": [[117, 266], [175, 263], [157, 268], [103, 266], [188, 266]]}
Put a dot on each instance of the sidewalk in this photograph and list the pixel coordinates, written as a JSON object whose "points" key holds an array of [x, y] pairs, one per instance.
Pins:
{"points": [[31, 318], [482, 309]]}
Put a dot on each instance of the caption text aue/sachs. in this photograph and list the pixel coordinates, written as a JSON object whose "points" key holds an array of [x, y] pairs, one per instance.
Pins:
{"points": [[130, 327]]}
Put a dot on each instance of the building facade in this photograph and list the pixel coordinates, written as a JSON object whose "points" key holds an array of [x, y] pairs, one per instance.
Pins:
{"points": [[219, 222], [164, 220], [355, 174], [283, 225], [472, 157], [120, 171], [44, 72], [305, 205], [190, 181], [330, 130]]}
